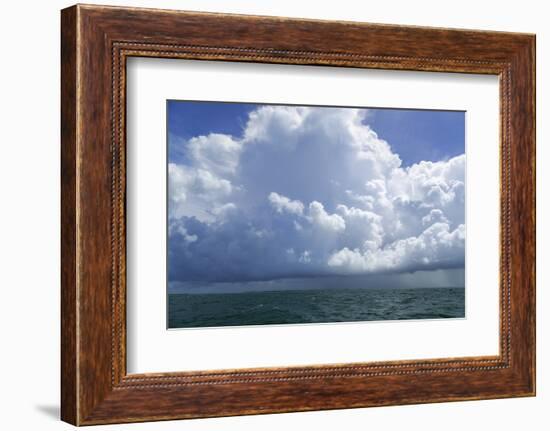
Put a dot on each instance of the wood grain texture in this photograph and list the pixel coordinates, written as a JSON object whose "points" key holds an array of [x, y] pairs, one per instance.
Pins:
{"points": [[69, 397], [96, 41]]}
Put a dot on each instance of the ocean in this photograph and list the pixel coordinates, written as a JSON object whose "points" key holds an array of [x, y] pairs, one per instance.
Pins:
{"points": [[313, 306]]}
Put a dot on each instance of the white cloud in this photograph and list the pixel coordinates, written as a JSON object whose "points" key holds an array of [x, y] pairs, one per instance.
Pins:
{"points": [[305, 257], [319, 217], [308, 191], [282, 203], [434, 216], [216, 153], [195, 191], [437, 245]]}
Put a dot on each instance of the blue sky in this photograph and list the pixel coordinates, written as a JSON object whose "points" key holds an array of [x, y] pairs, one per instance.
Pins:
{"points": [[267, 193], [413, 134]]}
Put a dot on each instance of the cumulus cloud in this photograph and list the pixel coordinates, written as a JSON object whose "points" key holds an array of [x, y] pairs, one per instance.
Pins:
{"points": [[216, 153], [319, 217], [436, 246], [284, 204], [195, 191], [309, 191]]}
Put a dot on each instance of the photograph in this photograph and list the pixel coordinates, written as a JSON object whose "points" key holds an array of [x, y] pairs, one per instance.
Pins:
{"points": [[299, 214], [276, 210]]}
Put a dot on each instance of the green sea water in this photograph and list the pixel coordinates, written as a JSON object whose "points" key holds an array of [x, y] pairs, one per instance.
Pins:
{"points": [[313, 306]]}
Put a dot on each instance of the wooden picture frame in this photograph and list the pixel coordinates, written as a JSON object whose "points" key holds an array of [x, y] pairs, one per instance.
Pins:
{"points": [[95, 43]]}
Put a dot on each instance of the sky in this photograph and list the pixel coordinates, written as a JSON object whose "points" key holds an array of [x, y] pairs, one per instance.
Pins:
{"points": [[264, 197]]}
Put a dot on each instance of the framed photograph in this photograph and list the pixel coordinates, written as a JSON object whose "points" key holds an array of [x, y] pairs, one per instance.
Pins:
{"points": [[265, 214]]}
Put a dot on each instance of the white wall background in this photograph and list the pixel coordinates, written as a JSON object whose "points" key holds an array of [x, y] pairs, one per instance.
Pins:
{"points": [[29, 215]]}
